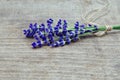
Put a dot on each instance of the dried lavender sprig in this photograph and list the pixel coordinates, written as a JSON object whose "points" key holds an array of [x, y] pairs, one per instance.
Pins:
{"points": [[60, 34]]}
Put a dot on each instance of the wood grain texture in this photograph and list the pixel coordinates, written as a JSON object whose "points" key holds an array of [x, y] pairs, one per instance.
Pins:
{"points": [[93, 58]]}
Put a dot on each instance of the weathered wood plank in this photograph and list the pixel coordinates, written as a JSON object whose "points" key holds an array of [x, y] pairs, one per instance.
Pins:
{"points": [[94, 58]]}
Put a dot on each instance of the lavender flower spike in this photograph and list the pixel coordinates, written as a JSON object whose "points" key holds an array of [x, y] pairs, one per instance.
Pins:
{"points": [[60, 34]]}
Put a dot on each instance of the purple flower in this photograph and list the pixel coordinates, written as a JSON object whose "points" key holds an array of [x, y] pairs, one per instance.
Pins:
{"points": [[36, 44], [49, 24], [76, 31], [76, 25], [35, 25], [75, 38], [50, 21], [62, 43], [88, 31], [28, 33], [72, 33], [82, 31], [82, 26], [56, 44], [39, 43], [57, 36], [56, 29], [36, 37], [42, 27], [96, 27], [31, 31], [51, 37], [25, 32], [89, 25], [68, 40], [31, 26], [59, 24]]}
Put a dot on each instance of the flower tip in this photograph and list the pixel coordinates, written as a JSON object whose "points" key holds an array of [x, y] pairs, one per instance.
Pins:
{"points": [[34, 45], [25, 32]]}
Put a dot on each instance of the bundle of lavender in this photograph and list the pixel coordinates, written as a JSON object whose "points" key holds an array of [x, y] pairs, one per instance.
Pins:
{"points": [[61, 34]]}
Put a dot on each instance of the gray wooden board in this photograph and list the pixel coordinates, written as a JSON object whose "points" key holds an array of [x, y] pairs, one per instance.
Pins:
{"points": [[93, 58]]}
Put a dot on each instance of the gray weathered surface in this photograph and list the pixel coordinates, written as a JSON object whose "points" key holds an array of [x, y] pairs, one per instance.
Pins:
{"points": [[95, 58]]}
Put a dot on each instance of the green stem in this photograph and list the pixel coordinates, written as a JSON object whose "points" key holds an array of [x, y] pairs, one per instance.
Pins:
{"points": [[101, 28], [117, 27]]}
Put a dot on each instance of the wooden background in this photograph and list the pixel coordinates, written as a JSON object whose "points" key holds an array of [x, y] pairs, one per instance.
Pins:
{"points": [[94, 58]]}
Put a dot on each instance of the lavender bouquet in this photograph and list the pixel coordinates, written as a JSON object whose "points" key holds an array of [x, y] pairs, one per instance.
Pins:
{"points": [[61, 34]]}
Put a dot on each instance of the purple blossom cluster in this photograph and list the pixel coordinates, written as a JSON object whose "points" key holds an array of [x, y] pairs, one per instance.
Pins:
{"points": [[59, 35]]}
